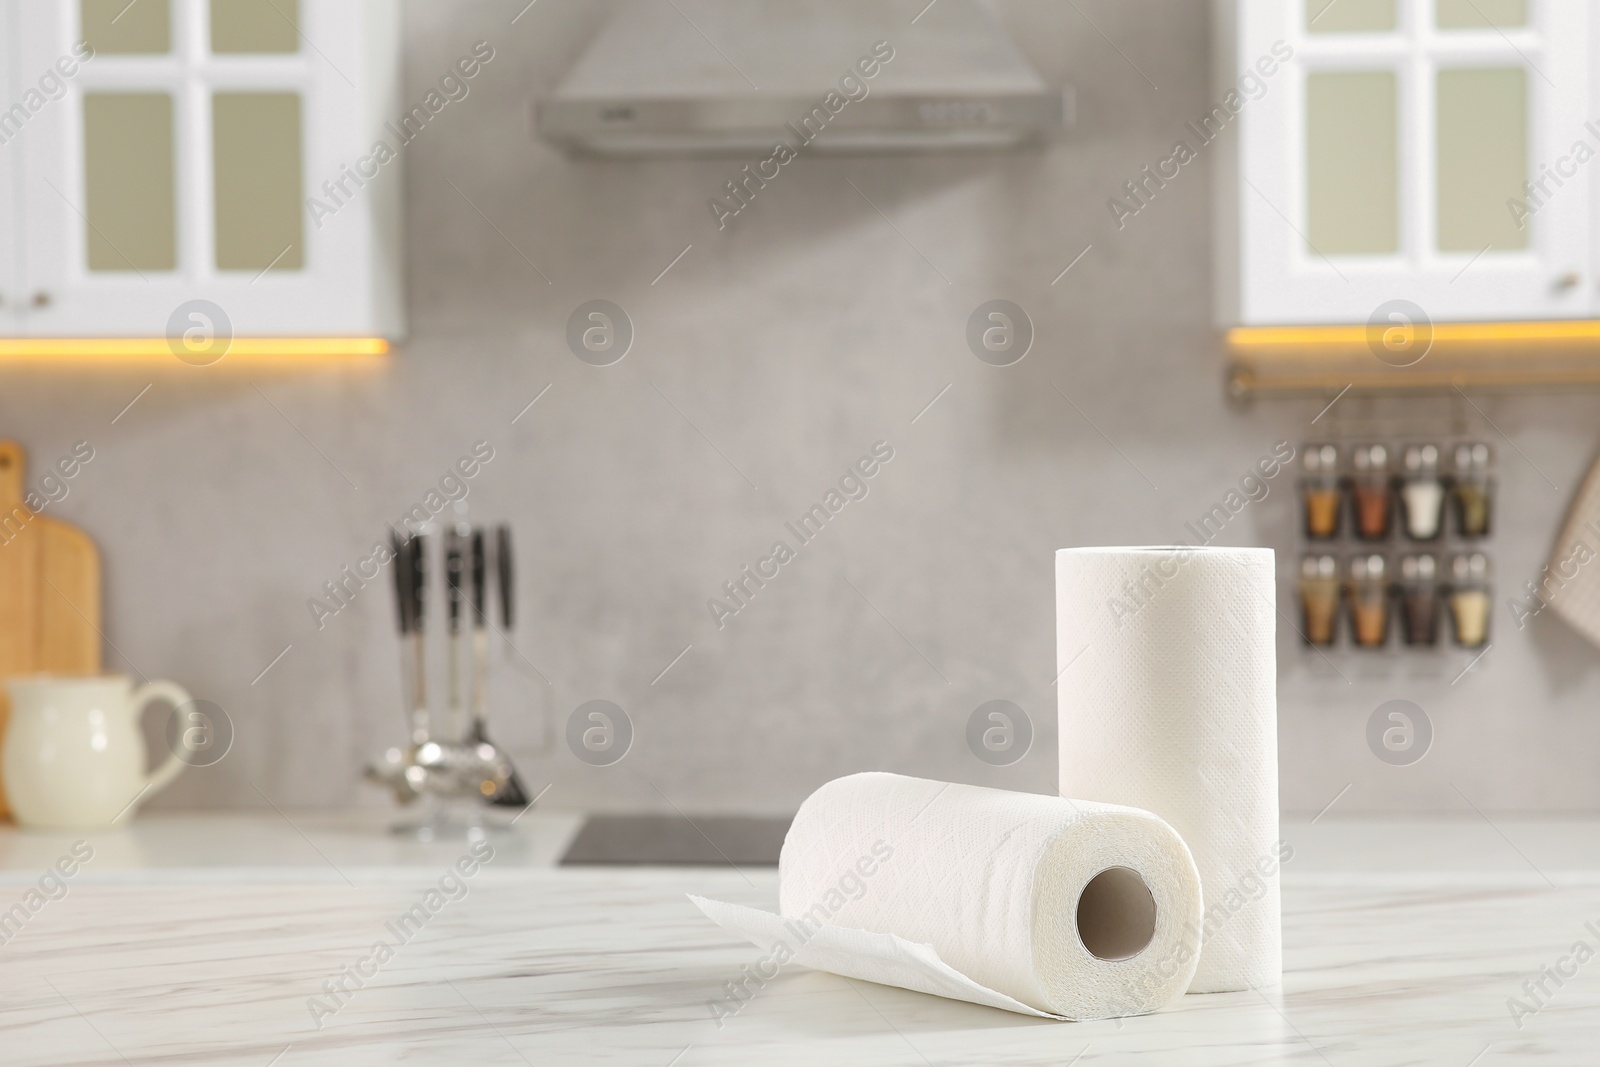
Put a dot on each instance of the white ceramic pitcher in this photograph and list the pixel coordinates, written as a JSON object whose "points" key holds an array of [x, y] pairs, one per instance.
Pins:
{"points": [[74, 756]]}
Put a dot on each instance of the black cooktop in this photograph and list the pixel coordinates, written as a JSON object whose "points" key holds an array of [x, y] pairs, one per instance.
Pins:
{"points": [[699, 840]]}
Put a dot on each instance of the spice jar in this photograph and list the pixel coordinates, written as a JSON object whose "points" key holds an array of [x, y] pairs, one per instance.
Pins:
{"points": [[1419, 600], [1469, 599], [1369, 491], [1422, 493], [1319, 491], [1473, 489], [1369, 601], [1319, 599]]}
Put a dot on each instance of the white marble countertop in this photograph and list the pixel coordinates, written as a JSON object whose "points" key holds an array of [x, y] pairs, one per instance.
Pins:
{"points": [[202, 939]]}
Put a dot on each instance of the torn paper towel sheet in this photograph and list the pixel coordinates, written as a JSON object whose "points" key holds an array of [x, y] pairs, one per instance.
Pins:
{"points": [[1039, 904], [1168, 702], [881, 958]]}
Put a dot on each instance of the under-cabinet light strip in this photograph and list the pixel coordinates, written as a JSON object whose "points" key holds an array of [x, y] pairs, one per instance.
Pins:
{"points": [[264, 349], [1245, 337]]}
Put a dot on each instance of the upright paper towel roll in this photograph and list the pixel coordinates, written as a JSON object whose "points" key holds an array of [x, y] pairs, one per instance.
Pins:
{"points": [[1170, 704], [1022, 901]]}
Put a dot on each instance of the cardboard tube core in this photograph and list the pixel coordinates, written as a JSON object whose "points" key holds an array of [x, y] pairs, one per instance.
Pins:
{"points": [[1116, 914]]}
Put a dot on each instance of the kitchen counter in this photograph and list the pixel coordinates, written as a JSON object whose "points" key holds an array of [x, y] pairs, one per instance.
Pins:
{"points": [[295, 846], [209, 939]]}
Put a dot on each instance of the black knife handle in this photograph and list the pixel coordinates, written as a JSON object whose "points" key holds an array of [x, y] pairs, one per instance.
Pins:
{"points": [[401, 546], [419, 582], [479, 603], [503, 571], [452, 577]]}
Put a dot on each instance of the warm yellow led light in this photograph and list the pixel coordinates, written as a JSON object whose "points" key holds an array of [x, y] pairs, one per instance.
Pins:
{"points": [[141, 349], [1451, 355], [1247, 337]]}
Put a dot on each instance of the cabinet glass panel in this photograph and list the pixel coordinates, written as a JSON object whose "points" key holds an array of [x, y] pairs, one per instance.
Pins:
{"points": [[256, 170], [1480, 14], [128, 181], [1352, 168], [255, 26], [1350, 16], [118, 27], [1482, 157]]}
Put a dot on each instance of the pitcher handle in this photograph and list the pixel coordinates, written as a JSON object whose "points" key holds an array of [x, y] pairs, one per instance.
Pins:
{"points": [[173, 765]]}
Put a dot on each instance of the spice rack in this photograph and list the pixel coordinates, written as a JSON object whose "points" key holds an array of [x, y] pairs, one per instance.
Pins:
{"points": [[1393, 544]]}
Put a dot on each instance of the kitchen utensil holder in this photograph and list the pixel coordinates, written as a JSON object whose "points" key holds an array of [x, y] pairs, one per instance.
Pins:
{"points": [[456, 772]]}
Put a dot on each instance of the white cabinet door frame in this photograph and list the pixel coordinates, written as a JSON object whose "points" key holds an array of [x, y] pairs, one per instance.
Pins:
{"points": [[1280, 280], [12, 293], [343, 288]]}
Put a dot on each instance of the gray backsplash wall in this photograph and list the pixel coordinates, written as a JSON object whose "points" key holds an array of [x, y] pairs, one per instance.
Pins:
{"points": [[768, 359]]}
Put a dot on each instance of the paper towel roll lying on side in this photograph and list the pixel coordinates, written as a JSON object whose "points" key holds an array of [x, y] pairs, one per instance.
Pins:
{"points": [[1032, 903], [1168, 702]]}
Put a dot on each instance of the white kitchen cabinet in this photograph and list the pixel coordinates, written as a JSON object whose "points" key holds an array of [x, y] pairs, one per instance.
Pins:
{"points": [[1385, 160], [179, 162], [10, 166]]}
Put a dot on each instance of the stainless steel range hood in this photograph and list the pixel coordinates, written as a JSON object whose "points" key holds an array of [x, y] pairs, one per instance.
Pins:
{"points": [[668, 77]]}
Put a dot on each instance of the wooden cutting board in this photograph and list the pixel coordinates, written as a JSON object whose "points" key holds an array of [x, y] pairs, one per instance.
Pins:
{"points": [[49, 589]]}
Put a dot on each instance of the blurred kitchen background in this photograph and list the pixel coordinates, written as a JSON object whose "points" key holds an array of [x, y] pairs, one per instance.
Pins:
{"points": [[770, 357]]}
